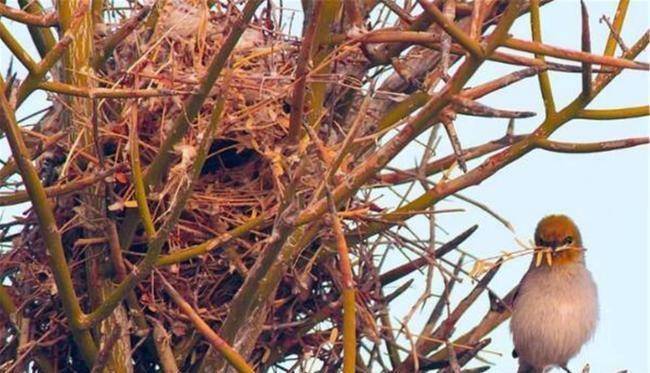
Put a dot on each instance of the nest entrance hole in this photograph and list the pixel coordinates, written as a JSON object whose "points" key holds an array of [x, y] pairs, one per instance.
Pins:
{"points": [[226, 154]]}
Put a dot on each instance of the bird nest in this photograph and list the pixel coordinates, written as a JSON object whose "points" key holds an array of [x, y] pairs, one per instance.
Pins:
{"points": [[242, 178]]}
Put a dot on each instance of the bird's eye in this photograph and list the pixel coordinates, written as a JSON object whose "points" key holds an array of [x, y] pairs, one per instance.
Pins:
{"points": [[568, 240]]}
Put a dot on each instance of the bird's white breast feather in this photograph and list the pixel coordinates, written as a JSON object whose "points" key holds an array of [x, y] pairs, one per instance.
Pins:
{"points": [[554, 314]]}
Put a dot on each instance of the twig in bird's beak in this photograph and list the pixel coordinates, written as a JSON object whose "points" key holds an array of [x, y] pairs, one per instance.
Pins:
{"points": [[549, 258], [538, 259]]}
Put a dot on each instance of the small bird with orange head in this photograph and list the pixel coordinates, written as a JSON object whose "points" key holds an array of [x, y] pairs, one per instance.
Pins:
{"points": [[555, 310]]}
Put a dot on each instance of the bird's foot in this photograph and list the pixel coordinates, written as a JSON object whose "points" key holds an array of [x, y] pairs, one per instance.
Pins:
{"points": [[564, 368]]}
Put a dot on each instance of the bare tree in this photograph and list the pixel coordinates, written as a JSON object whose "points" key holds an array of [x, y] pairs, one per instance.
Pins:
{"points": [[200, 183]]}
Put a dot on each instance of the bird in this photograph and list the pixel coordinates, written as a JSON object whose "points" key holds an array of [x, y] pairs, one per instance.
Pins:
{"points": [[555, 309]]}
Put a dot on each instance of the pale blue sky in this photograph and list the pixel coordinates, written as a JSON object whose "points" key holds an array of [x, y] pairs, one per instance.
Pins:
{"points": [[605, 193]]}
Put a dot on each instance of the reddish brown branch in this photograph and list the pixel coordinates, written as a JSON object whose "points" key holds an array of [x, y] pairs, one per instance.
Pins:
{"points": [[93, 93], [443, 332], [348, 292], [586, 47], [229, 353], [464, 105], [59, 190], [298, 97], [110, 42], [594, 147], [47, 20], [403, 270], [567, 54], [447, 122]]}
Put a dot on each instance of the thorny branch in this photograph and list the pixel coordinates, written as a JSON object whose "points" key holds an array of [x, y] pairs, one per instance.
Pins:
{"points": [[196, 136]]}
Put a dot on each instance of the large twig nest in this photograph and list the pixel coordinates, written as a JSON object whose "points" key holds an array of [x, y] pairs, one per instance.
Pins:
{"points": [[243, 176]]}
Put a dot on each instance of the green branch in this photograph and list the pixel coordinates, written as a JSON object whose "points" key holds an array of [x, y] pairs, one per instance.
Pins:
{"points": [[619, 17], [55, 53], [48, 229], [612, 114], [18, 51], [205, 247], [544, 79], [472, 46]]}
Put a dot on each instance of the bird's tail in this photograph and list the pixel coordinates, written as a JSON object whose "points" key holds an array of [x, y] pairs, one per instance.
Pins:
{"points": [[524, 367]]}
